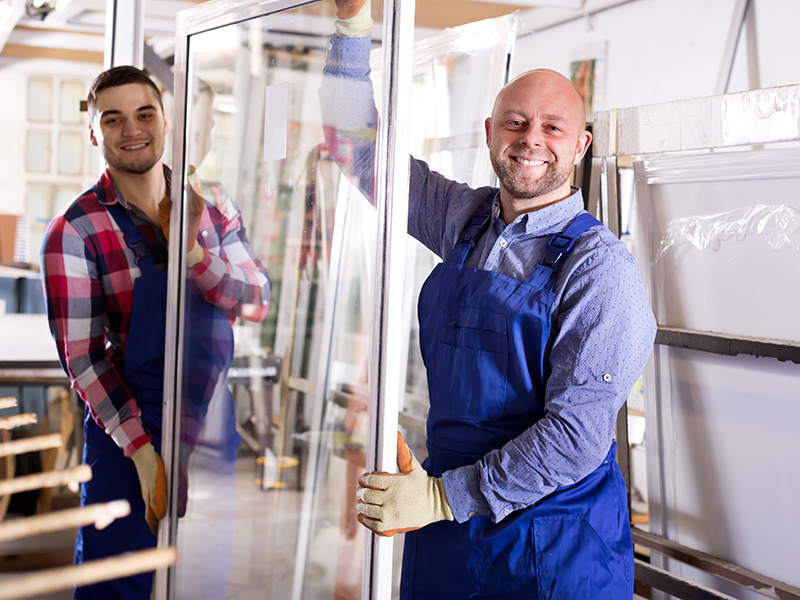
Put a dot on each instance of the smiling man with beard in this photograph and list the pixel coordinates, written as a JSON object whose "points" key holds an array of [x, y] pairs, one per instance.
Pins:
{"points": [[533, 330], [104, 267]]}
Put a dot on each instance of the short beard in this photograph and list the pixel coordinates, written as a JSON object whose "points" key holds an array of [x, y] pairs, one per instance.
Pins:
{"points": [[135, 169], [553, 178]]}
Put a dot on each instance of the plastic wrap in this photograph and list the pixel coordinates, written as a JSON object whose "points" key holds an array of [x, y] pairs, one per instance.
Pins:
{"points": [[779, 225]]}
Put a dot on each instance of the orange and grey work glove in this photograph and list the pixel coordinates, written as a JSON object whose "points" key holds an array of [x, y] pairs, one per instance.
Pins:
{"points": [[150, 469], [396, 503]]}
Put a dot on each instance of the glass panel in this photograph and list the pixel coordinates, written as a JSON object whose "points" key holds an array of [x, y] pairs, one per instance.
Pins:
{"points": [[37, 151], [268, 461], [40, 99], [447, 133], [69, 101], [70, 152]]}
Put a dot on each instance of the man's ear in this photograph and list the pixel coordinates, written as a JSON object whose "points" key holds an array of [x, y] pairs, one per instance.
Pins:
{"points": [[166, 126], [92, 137], [584, 139], [487, 124]]}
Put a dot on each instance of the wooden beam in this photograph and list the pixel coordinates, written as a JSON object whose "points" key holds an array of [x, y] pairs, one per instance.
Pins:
{"points": [[440, 15], [20, 51]]}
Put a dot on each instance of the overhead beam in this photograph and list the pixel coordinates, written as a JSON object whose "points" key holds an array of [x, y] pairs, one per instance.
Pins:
{"points": [[22, 51]]}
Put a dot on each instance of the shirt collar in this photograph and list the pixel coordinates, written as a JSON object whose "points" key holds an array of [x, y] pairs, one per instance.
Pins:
{"points": [[545, 221], [112, 194]]}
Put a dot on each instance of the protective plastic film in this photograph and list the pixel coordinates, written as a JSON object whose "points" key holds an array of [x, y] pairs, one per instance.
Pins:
{"points": [[722, 241], [719, 240]]}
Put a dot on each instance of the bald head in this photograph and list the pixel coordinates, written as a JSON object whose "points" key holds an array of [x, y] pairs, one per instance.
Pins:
{"points": [[548, 83]]}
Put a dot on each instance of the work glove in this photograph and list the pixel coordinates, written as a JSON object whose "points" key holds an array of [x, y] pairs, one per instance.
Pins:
{"points": [[153, 481], [396, 503], [353, 17], [196, 207]]}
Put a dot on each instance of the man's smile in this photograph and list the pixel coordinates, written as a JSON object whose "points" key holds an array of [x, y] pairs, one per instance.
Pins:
{"points": [[528, 162], [134, 146]]}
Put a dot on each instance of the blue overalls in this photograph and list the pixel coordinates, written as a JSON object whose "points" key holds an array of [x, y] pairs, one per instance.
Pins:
{"points": [[210, 348], [484, 337]]}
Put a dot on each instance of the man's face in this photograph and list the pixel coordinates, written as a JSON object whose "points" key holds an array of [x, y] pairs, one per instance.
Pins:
{"points": [[535, 136], [129, 127]]}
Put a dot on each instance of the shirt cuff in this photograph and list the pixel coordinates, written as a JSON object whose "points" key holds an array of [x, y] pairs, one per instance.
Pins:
{"points": [[130, 436], [348, 56], [463, 490]]}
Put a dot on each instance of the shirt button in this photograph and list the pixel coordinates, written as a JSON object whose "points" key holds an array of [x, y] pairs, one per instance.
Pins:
{"points": [[472, 514], [606, 377], [205, 233], [503, 243], [507, 511]]}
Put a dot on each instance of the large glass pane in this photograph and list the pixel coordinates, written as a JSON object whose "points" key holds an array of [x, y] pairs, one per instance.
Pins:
{"points": [[447, 133], [270, 445]]}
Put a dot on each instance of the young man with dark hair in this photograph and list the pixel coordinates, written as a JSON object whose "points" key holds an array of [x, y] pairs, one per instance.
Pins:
{"points": [[104, 266]]}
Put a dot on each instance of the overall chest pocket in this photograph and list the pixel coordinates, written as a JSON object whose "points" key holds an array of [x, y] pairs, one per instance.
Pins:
{"points": [[472, 365]]}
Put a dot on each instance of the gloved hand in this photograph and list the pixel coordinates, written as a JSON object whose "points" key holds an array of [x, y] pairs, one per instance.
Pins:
{"points": [[196, 207], [346, 9], [354, 17], [153, 481], [408, 500]]}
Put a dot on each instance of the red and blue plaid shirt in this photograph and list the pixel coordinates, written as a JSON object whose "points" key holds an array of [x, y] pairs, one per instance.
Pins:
{"points": [[89, 273]]}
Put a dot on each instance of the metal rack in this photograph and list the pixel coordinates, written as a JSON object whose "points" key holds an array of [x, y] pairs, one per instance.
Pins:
{"points": [[700, 125]]}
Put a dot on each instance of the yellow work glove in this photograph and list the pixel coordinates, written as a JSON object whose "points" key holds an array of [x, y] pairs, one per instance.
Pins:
{"points": [[153, 481], [396, 503]]}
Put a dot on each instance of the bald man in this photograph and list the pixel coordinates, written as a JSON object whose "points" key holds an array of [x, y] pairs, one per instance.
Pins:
{"points": [[533, 330]]}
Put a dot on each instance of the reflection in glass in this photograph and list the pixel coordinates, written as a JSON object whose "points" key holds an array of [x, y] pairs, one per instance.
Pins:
{"points": [[266, 495]]}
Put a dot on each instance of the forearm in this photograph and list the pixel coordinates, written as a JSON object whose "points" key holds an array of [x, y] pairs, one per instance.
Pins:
{"points": [[236, 282], [349, 115]]}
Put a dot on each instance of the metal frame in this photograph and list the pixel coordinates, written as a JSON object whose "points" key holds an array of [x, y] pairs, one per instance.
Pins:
{"points": [[391, 184], [696, 124]]}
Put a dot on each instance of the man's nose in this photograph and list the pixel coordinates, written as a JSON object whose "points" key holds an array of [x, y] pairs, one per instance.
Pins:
{"points": [[531, 137], [131, 127]]}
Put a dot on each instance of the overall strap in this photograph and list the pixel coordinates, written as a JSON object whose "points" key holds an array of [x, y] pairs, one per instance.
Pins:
{"points": [[558, 246], [134, 238], [472, 231]]}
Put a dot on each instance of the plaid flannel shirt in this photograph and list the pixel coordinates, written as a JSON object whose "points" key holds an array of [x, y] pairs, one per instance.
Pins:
{"points": [[89, 272]]}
